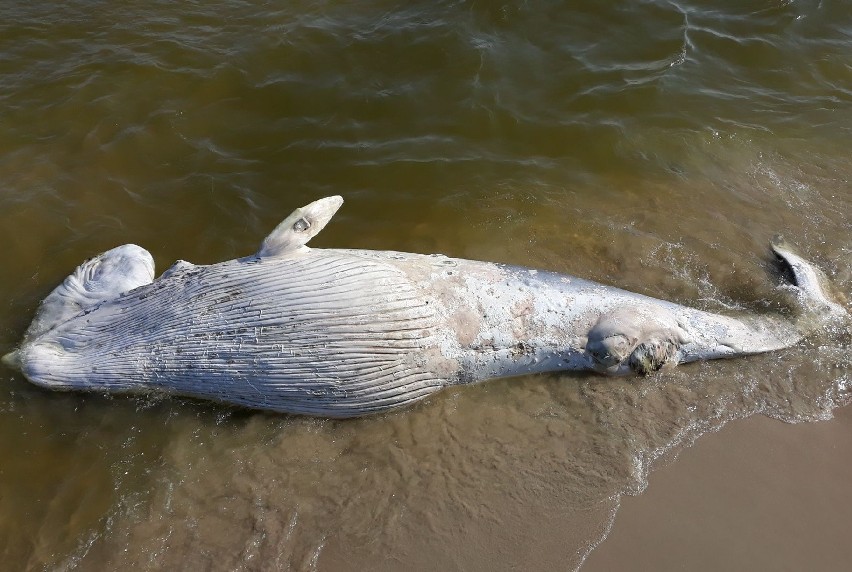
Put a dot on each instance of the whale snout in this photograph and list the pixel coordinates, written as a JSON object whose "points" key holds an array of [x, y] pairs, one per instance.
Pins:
{"points": [[40, 362], [12, 360]]}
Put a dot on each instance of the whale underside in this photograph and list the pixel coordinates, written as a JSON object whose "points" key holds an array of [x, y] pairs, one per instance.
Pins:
{"points": [[343, 333]]}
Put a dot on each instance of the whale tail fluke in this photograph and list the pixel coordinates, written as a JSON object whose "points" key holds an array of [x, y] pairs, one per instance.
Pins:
{"points": [[811, 288], [716, 336]]}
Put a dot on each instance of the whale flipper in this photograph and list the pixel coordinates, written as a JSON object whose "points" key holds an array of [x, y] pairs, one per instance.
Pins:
{"points": [[298, 228]]}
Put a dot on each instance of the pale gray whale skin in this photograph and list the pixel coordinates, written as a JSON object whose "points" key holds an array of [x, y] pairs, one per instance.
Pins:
{"points": [[342, 333]]}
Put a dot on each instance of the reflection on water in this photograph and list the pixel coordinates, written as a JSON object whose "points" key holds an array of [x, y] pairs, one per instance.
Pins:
{"points": [[655, 146]]}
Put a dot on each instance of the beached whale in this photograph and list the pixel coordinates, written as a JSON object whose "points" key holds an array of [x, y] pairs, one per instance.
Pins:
{"points": [[343, 333]]}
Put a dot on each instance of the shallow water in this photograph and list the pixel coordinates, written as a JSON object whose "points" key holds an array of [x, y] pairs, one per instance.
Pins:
{"points": [[652, 145]]}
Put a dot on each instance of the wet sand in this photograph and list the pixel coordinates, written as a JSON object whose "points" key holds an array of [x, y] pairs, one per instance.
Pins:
{"points": [[757, 495]]}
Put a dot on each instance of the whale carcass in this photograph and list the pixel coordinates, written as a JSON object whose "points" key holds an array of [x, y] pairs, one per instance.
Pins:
{"points": [[342, 333]]}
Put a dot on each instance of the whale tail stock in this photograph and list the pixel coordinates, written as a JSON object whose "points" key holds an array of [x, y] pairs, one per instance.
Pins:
{"points": [[717, 336], [645, 338]]}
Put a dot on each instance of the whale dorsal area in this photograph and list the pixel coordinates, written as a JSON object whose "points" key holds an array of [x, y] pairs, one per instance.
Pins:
{"points": [[298, 228]]}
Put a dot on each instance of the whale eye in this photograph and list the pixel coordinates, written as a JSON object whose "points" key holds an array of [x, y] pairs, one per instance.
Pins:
{"points": [[301, 225]]}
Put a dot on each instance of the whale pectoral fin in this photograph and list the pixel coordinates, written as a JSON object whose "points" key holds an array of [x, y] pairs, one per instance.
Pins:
{"points": [[298, 228]]}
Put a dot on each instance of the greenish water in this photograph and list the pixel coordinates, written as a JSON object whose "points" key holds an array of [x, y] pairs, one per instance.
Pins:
{"points": [[652, 145]]}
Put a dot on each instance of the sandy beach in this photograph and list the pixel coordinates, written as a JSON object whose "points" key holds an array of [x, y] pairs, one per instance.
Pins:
{"points": [[757, 495]]}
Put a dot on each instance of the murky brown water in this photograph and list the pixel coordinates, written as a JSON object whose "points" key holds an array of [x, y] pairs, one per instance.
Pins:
{"points": [[656, 146]]}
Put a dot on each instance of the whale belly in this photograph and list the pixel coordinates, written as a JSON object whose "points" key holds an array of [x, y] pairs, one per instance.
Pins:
{"points": [[322, 333]]}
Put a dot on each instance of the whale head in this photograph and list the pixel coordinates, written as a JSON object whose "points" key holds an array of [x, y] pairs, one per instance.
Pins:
{"points": [[104, 277]]}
